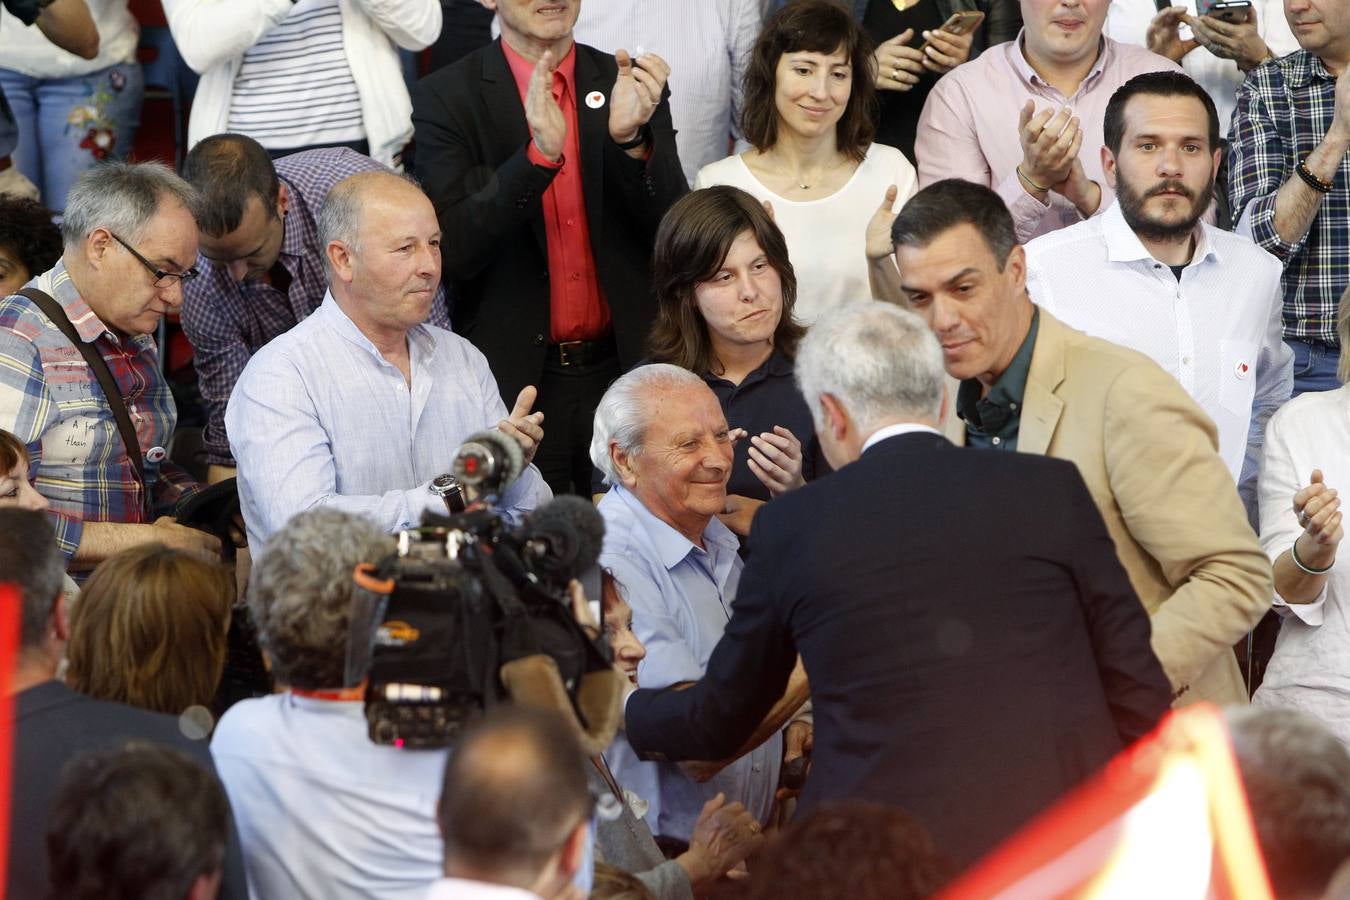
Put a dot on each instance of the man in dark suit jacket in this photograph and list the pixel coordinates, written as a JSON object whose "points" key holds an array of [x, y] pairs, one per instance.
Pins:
{"points": [[53, 723], [973, 645], [550, 165]]}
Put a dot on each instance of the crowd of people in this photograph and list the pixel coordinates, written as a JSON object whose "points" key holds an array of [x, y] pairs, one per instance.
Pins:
{"points": [[962, 376]]}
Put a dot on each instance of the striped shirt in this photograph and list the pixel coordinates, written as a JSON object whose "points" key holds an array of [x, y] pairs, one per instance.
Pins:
{"points": [[1284, 110], [50, 400], [294, 87]]}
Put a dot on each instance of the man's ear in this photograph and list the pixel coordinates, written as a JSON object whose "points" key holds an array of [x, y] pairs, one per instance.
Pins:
{"points": [[60, 622], [206, 886], [283, 201], [98, 245], [1016, 268], [942, 410], [623, 464], [1109, 166], [1218, 158], [341, 259], [573, 852], [836, 417]]}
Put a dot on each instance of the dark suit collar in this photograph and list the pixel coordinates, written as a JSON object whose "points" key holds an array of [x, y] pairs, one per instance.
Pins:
{"points": [[42, 697], [907, 442], [594, 132]]}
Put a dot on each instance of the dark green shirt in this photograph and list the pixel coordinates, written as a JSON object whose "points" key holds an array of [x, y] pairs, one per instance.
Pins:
{"points": [[993, 420]]}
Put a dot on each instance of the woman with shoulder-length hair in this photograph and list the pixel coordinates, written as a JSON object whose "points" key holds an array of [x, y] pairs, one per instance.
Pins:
{"points": [[725, 291], [150, 628], [810, 111]]}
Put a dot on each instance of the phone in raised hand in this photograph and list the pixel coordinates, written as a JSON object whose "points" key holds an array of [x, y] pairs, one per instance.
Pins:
{"points": [[959, 23]]}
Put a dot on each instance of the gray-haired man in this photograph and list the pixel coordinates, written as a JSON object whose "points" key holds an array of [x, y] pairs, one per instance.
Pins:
{"points": [[130, 242], [965, 625]]}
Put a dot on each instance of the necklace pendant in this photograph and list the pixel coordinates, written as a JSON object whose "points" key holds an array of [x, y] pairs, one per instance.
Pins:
{"points": [[902, 5], [805, 187]]}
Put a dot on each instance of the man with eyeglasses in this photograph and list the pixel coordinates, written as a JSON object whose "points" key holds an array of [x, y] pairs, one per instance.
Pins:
{"points": [[130, 241]]}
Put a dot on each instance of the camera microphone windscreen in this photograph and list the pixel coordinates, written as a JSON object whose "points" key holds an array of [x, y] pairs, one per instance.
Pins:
{"points": [[573, 533], [488, 461]]}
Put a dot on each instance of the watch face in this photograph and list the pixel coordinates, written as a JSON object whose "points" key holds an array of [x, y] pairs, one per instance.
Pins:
{"points": [[442, 484]]}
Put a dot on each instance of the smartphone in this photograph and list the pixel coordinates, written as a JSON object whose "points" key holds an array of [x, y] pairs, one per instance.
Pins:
{"points": [[960, 23], [1234, 12]]}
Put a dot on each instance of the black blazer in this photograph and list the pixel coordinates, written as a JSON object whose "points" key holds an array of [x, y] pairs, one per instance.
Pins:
{"points": [[973, 645], [471, 141]]}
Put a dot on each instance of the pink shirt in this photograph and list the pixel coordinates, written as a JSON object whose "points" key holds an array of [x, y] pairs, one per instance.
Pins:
{"points": [[968, 128]]}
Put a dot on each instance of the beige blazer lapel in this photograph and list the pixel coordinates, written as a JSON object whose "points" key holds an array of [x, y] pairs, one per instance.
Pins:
{"points": [[1041, 409]]}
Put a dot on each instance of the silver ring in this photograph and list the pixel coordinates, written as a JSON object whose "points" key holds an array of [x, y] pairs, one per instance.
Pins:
{"points": [[895, 74]]}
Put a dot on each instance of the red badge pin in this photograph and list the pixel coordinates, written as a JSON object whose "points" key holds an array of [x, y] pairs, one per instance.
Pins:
{"points": [[595, 99], [1241, 369]]}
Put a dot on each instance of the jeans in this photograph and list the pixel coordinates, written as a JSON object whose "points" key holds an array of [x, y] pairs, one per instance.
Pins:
{"points": [[1314, 366], [67, 125]]}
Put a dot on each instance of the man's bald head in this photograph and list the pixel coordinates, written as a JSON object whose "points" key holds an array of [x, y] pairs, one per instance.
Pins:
{"points": [[343, 214], [382, 252], [515, 790]]}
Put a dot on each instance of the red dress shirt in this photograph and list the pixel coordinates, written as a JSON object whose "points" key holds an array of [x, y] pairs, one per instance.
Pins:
{"points": [[577, 307]]}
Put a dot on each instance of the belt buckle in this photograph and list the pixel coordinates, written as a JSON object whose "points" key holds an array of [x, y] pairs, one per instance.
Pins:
{"points": [[566, 348]]}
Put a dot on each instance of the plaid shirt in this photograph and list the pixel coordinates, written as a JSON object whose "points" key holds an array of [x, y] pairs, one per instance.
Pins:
{"points": [[1284, 110], [227, 322], [50, 399]]}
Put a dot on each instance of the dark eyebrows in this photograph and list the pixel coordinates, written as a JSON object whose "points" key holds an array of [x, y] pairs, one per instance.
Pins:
{"points": [[964, 273]]}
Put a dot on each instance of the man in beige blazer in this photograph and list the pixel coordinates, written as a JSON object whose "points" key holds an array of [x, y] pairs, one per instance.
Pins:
{"points": [[1148, 453]]}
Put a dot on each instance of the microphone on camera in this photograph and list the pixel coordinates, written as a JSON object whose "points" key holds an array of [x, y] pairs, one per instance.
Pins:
{"points": [[488, 462], [566, 537]]}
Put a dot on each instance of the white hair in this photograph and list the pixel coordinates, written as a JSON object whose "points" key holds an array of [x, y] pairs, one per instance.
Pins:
{"points": [[121, 197], [621, 417], [879, 361]]}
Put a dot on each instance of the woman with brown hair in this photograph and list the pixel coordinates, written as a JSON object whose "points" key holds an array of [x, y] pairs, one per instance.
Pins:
{"points": [[725, 292], [810, 112], [149, 630], [15, 489]]}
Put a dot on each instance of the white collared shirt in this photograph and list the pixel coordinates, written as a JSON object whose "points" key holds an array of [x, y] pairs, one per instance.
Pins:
{"points": [[891, 431], [1217, 330], [463, 889]]}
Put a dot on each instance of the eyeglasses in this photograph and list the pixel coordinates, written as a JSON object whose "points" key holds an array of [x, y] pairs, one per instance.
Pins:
{"points": [[162, 278]]}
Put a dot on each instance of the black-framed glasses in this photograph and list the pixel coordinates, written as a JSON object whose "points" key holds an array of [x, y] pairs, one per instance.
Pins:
{"points": [[162, 278]]}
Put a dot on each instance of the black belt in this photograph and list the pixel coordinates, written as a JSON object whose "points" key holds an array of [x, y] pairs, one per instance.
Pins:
{"points": [[582, 353]]}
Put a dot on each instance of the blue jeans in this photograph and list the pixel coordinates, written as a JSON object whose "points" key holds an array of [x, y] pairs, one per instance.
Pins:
{"points": [[67, 125], [1314, 366]]}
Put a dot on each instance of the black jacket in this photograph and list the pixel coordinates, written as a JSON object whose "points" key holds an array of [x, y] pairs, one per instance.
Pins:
{"points": [[52, 724], [973, 645], [471, 141]]}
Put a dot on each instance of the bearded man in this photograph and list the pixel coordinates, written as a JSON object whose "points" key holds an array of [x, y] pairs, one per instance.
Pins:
{"points": [[1150, 275]]}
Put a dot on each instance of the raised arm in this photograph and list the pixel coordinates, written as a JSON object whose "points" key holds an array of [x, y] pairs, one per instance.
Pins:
{"points": [[211, 32], [412, 24], [68, 25]]}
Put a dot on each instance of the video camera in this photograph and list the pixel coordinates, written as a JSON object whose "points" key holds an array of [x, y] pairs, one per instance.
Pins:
{"points": [[470, 612]]}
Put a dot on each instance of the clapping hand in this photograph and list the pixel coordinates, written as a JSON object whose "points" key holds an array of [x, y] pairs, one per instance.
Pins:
{"points": [[878, 243], [548, 127], [525, 426], [776, 460], [1050, 144], [1318, 508], [636, 94]]}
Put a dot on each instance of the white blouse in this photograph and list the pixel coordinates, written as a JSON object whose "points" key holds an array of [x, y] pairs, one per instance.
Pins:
{"points": [[1310, 670], [826, 238]]}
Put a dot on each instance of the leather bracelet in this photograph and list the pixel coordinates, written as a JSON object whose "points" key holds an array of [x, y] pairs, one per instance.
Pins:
{"points": [[1029, 183], [1293, 554], [643, 134], [1317, 184]]}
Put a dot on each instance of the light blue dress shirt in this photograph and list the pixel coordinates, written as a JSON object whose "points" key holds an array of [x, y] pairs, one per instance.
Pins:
{"points": [[681, 597], [320, 418]]}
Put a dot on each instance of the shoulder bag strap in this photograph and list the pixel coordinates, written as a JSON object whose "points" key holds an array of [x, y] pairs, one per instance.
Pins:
{"points": [[116, 401]]}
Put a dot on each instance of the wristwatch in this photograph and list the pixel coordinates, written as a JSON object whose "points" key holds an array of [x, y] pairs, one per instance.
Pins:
{"points": [[451, 492]]}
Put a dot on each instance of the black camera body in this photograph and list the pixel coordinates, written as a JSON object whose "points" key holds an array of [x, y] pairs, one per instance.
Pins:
{"points": [[439, 628]]}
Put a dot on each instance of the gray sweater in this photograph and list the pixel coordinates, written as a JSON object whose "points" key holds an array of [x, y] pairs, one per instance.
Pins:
{"points": [[626, 843]]}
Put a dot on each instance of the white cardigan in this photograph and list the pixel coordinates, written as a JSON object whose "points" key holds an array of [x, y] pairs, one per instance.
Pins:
{"points": [[213, 35]]}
